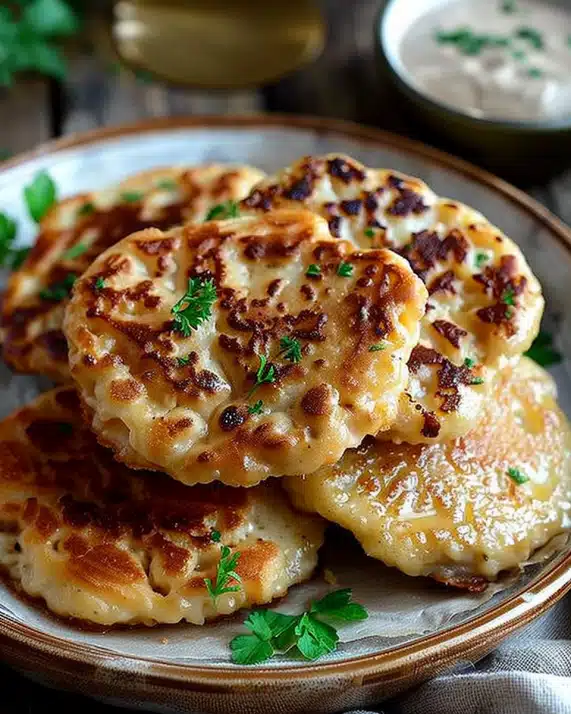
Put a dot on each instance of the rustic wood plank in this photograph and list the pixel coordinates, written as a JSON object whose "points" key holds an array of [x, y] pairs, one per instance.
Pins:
{"points": [[25, 113]]}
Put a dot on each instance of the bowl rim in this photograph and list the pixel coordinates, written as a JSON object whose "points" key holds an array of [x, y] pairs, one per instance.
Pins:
{"points": [[551, 126], [19, 641]]}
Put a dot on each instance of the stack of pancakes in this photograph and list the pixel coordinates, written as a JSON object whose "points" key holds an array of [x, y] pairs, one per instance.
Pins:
{"points": [[404, 411]]}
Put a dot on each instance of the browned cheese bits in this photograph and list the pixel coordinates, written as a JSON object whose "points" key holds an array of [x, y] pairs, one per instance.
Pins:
{"points": [[77, 229], [104, 544], [464, 511], [485, 304], [303, 351]]}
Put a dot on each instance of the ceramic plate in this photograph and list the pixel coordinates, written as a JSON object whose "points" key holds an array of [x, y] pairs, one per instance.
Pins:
{"points": [[180, 669]]}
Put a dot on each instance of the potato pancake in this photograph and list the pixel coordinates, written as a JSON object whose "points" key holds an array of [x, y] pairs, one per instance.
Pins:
{"points": [[485, 304], [464, 511], [104, 544], [78, 229], [241, 349]]}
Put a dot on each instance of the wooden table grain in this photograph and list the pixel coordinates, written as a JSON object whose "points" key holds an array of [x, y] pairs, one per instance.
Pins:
{"points": [[342, 83]]}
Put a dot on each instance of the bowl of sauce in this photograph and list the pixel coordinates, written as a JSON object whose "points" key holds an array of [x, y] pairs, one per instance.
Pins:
{"points": [[490, 77]]}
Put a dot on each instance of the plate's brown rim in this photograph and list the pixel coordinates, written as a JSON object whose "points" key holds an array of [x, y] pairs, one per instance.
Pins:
{"points": [[514, 612], [322, 125]]}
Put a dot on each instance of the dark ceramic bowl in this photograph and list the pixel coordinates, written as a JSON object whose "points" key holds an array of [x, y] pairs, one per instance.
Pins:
{"points": [[524, 151]]}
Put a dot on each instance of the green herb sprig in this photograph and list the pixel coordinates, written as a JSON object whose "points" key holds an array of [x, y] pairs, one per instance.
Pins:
{"points": [[28, 29], [229, 209], [40, 195], [266, 374], [59, 291], [225, 574], [256, 408], [274, 632], [195, 306], [290, 349], [517, 476], [543, 352]]}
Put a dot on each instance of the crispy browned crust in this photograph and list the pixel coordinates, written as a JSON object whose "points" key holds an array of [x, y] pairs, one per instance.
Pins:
{"points": [[193, 418], [33, 341], [484, 306], [453, 511], [102, 543]]}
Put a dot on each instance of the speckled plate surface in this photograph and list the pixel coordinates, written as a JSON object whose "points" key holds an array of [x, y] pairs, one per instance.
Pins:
{"points": [[136, 667]]}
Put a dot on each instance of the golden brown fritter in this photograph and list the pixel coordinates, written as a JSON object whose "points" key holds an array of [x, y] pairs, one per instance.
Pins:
{"points": [[78, 229], [108, 545], [485, 304], [188, 404], [455, 511]]}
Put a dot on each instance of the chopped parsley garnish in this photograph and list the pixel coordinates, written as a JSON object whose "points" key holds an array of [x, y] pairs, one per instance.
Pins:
{"points": [[87, 209], [477, 380], [8, 230], [257, 408], [508, 298], [531, 35], [290, 349], [40, 195], [369, 232], [345, 270], [100, 283], [229, 209], [519, 55], [183, 361], [225, 574], [17, 257], [274, 632], [132, 196], [469, 362], [508, 6], [313, 271], [167, 184], [517, 476], [543, 352], [266, 374], [481, 258], [468, 42], [195, 306], [59, 291], [75, 251], [509, 313], [378, 347], [534, 73], [215, 536]]}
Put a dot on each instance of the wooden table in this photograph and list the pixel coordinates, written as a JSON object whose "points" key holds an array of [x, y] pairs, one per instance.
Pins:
{"points": [[343, 83]]}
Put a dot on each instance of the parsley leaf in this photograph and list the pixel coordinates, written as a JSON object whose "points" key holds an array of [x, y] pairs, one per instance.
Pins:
{"points": [[369, 232], [86, 210], [345, 270], [517, 476], [508, 296], [195, 306], [543, 352], [469, 362], [266, 374], [8, 230], [338, 604], [167, 184], [75, 251], [99, 283], [290, 349], [477, 380], [533, 36], [183, 361], [508, 6], [275, 632], [257, 408], [215, 536], [378, 347], [534, 73], [17, 257], [315, 638], [224, 574], [59, 291], [313, 271], [40, 195], [250, 649], [229, 209], [132, 196], [481, 258]]}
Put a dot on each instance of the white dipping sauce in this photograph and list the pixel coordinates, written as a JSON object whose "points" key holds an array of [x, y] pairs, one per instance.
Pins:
{"points": [[513, 79]]}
